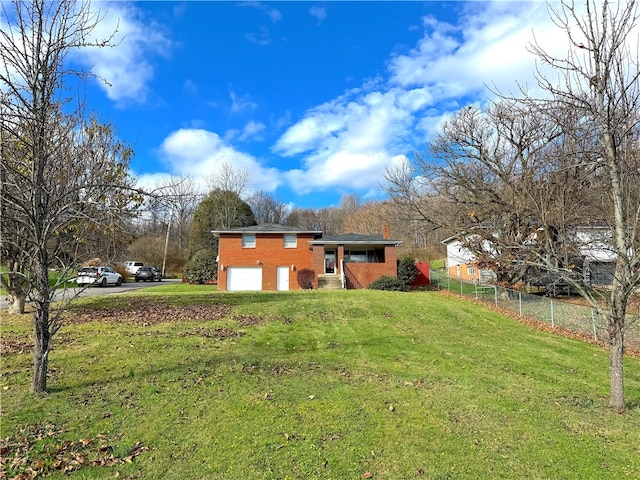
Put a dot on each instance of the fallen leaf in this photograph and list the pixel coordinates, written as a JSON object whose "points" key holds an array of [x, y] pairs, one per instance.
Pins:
{"points": [[367, 475]]}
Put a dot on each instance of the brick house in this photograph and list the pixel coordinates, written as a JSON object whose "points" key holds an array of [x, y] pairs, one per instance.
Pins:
{"points": [[268, 257]]}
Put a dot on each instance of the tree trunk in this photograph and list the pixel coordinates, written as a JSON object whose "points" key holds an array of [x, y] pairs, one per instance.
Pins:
{"points": [[42, 339], [41, 330], [616, 372], [616, 329], [16, 303]]}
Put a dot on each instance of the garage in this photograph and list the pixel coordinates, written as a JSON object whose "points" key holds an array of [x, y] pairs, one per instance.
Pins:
{"points": [[244, 278]]}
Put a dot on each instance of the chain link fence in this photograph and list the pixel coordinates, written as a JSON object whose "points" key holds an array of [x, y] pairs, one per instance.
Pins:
{"points": [[553, 311]]}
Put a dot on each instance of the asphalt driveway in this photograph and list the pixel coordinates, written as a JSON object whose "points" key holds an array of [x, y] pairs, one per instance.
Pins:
{"points": [[92, 291]]}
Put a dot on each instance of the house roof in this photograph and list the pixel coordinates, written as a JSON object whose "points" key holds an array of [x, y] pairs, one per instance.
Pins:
{"points": [[354, 238], [267, 228]]}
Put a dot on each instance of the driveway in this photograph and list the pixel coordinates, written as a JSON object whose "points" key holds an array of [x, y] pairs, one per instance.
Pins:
{"points": [[93, 291]]}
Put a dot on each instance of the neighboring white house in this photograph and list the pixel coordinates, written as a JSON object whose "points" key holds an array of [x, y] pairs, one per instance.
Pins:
{"points": [[599, 258], [595, 256], [461, 263]]}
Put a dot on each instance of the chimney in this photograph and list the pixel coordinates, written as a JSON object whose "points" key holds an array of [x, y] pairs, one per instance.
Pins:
{"points": [[386, 232]]}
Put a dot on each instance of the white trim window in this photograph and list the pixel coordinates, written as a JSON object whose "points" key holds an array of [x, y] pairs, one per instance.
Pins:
{"points": [[471, 270], [290, 240], [248, 240]]}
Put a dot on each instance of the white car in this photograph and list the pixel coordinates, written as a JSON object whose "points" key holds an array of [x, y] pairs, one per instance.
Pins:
{"points": [[100, 276], [132, 266]]}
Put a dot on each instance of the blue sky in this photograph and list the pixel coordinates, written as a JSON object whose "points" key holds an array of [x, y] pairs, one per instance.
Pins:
{"points": [[313, 99]]}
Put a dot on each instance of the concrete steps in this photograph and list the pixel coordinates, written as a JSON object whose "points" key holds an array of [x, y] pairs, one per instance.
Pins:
{"points": [[329, 282]]}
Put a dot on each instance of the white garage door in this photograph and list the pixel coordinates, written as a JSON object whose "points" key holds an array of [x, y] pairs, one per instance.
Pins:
{"points": [[244, 278]]}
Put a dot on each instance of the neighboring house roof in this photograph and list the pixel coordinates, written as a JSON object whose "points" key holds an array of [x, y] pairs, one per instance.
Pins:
{"points": [[267, 228], [354, 239], [453, 238]]}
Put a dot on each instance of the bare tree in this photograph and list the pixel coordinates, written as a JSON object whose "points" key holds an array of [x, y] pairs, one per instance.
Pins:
{"points": [[485, 163], [371, 218], [600, 82], [230, 178], [267, 209], [169, 211], [67, 170], [540, 184], [164, 228]]}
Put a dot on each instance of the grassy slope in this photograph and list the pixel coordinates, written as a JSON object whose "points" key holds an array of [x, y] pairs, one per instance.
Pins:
{"points": [[333, 385]]}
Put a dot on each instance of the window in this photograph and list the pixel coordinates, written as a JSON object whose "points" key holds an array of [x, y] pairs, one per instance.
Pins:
{"points": [[249, 240], [356, 256], [364, 256], [471, 270], [290, 240]]}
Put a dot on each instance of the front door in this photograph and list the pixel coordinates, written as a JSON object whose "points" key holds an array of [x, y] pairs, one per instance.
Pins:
{"points": [[329, 261], [282, 281]]}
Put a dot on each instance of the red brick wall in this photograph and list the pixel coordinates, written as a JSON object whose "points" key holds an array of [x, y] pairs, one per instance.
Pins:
{"points": [[318, 263], [360, 275], [270, 251]]}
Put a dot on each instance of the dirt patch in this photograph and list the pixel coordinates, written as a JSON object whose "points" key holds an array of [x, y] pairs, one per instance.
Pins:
{"points": [[143, 312], [9, 346], [40, 450]]}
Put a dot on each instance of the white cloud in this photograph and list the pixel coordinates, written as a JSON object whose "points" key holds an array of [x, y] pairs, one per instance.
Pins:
{"points": [[190, 86], [487, 48], [241, 102], [252, 130], [126, 66], [262, 38], [319, 12], [349, 141], [197, 153], [273, 13]]}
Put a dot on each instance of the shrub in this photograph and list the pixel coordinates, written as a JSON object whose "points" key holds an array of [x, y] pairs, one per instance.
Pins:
{"points": [[122, 270], [388, 283], [306, 278], [202, 267], [407, 270]]}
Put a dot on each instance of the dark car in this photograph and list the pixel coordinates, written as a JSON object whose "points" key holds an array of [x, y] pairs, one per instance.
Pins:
{"points": [[148, 274]]}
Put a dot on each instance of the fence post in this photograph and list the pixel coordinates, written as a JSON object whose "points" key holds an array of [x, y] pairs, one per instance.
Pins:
{"points": [[520, 302], [593, 322], [495, 294], [448, 283], [552, 319], [476, 285], [461, 284]]}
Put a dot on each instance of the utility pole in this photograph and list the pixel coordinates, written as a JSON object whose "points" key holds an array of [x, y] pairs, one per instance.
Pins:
{"points": [[166, 244]]}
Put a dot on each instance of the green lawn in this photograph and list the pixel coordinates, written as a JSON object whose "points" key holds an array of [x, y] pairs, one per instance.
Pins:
{"points": [[183, 382]]}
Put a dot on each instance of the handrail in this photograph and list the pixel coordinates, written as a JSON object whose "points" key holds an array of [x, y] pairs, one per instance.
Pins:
{"points": [[342, 276]]}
